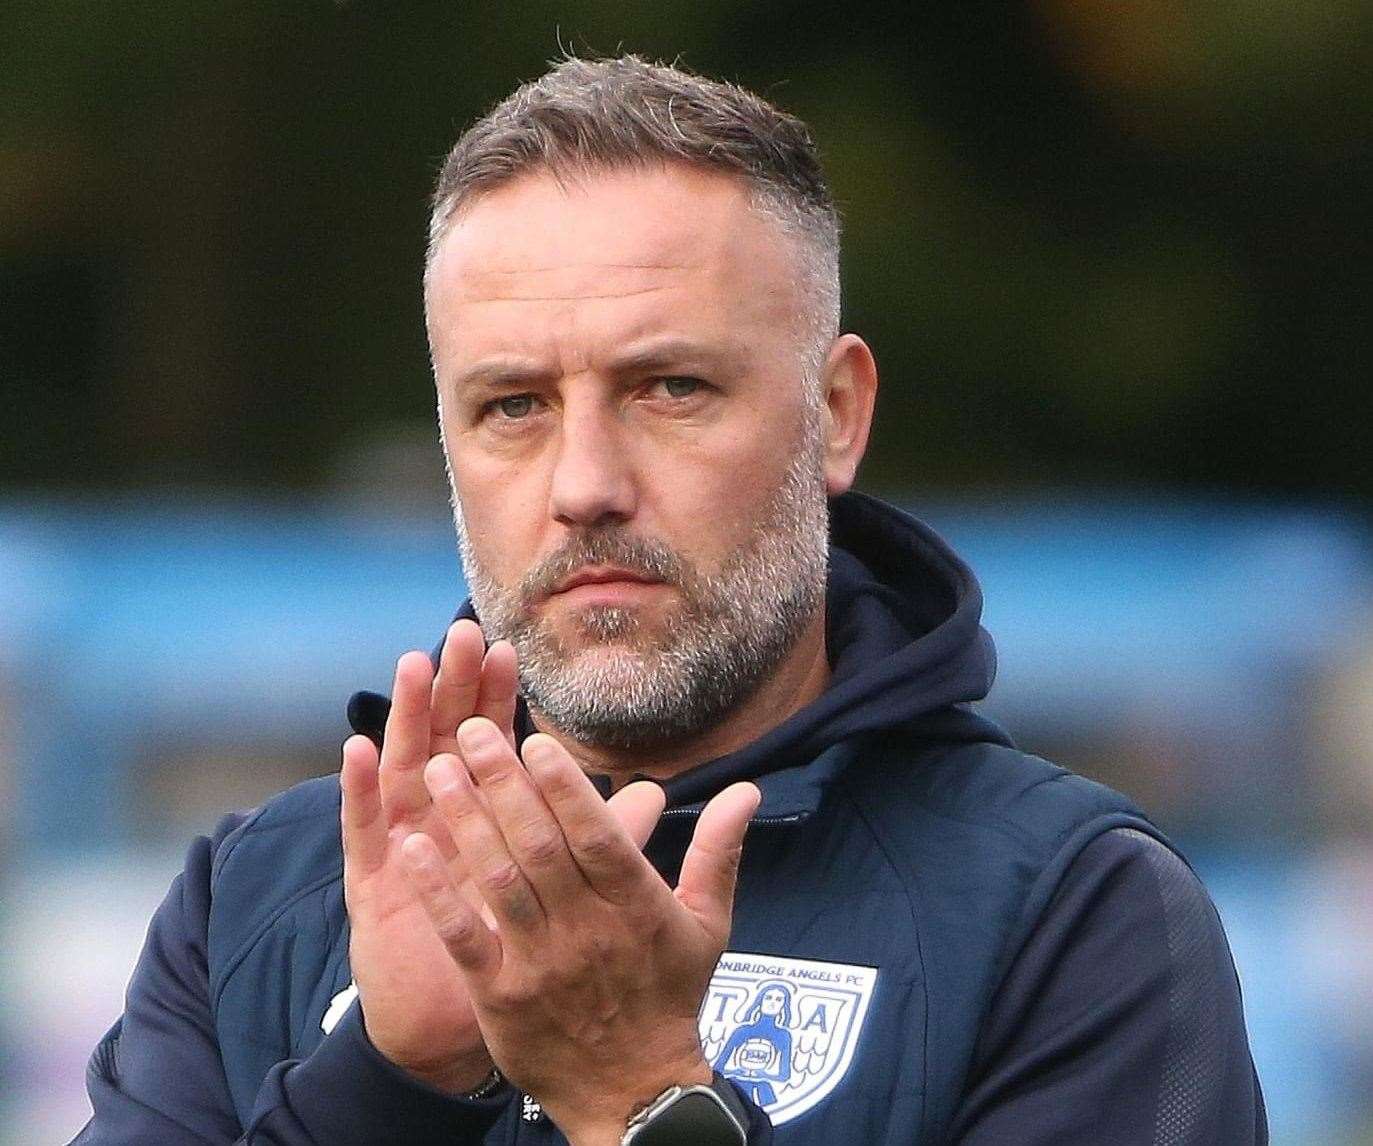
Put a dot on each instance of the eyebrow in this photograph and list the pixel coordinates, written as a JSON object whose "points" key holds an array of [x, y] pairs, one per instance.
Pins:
{"points": [[666, 351], [502, 373], [658, 353]]}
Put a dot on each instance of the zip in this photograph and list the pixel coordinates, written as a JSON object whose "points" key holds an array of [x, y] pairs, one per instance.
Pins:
{"points": [[757, 821]]}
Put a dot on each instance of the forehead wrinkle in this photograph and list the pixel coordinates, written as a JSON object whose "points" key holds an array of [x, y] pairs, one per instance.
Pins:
{"points": [[570, 282], [563, 297], [626, 266]]}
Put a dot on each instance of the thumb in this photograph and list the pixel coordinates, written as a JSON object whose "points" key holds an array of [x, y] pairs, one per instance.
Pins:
{"points": [[637, 806], [711, 866]]}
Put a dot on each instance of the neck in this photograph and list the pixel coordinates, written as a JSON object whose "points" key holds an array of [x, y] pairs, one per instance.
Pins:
{"points": [[801, 677]]}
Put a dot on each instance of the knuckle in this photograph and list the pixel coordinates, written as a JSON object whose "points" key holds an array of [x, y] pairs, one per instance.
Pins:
{"points": [[493, 771], [541, 847], [455, 927], [558, 783], [598, 845], [458, 809], [505, 775], [502, 878]]}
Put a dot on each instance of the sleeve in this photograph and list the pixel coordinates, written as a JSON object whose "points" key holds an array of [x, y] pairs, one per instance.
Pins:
{"points": [[1120, 1019], [157, 1075]]}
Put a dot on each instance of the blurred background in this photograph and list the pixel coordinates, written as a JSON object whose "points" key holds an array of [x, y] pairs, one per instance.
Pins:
{"points": [[1114, 262]]}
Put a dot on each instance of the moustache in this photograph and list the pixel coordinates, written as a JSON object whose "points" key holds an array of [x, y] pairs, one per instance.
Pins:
{"points": [[613, 546]]}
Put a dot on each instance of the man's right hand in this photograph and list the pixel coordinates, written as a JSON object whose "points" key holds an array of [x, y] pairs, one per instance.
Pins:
{"points": [[415, 1006]]}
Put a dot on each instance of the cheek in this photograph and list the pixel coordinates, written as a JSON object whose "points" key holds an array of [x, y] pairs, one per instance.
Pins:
{"points": [[711, 499], [503, 516]]}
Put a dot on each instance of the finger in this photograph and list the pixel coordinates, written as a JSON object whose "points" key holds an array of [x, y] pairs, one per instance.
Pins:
{"points": [[638, 807], [405, 747], [499, 684], [530, 831], [362, 818], [494, 872], [711, 867], [606, 853], [459, 678], [474, 946]]}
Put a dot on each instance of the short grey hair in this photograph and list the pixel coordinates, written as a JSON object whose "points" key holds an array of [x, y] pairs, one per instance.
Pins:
{"points": [[596, 114]]}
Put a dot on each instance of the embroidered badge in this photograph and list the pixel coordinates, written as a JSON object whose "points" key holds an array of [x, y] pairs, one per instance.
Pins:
{"points": [[784, 1029]]}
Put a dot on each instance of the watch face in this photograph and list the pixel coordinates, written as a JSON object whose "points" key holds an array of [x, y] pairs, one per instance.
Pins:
{"points": [[696, 1117]]}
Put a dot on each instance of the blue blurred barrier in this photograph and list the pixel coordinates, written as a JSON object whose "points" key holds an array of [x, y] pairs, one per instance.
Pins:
{"points": [[124, 623], [1203, 627]]}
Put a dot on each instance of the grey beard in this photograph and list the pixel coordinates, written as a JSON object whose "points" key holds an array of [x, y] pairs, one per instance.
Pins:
{"points": [[732, 629]]}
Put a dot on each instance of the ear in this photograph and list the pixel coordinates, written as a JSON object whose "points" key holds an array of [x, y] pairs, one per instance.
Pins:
{"points": [[850, 392]]}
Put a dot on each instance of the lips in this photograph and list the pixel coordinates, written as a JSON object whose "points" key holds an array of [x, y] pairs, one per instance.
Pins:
{"points": [[602, 575]]}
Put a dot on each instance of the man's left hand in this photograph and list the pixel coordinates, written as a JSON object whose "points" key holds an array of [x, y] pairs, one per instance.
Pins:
{"points": [[587, 986]]}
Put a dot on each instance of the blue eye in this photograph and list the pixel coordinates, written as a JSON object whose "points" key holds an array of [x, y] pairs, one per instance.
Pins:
{"points": [[681, 387], [515, 405]]}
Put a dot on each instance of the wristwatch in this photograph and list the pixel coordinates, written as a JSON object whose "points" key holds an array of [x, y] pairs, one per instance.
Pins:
{"points": [[698, 1115]]}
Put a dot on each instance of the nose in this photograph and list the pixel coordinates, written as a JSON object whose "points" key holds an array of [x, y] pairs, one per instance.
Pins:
{"points": [[593, 480]]}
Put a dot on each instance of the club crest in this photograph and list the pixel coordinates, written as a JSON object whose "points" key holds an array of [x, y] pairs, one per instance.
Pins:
{"points": [[784, 1029]]}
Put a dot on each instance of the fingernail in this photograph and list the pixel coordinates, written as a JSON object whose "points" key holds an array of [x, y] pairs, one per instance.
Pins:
{"points": [[537, 751], [441, 774], [476, 734], [416, 851]]}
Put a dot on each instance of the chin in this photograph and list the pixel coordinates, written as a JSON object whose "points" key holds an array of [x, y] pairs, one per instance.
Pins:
{"points": [[611, 626], [613, 662]]}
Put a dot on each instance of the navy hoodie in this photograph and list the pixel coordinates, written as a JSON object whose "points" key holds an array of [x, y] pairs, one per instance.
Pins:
{"points": [[936, 937]]}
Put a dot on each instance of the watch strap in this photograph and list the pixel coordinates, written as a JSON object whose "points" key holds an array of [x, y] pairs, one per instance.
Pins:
{"points": [[730, 1096], [487, 1087]]}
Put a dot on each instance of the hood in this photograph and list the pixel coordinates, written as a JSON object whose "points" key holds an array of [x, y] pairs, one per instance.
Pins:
{"points": [[907, 655], [907, 651]]}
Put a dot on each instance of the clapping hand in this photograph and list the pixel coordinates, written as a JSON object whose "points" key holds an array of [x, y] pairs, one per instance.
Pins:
{"points": [[583, 970], [415, 1003]]}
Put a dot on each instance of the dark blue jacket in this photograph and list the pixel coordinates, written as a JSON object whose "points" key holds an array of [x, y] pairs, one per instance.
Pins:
{"points": [[936, 937]]}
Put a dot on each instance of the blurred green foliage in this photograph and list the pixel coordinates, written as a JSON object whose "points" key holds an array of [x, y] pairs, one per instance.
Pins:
{"points": [[1089, 242]]}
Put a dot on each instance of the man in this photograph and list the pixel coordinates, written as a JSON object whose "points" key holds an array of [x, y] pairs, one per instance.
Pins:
{"points": [[652, 425]]}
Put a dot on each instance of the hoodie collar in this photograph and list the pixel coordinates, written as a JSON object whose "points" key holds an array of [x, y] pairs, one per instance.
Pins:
{"points": [[907, 653]]}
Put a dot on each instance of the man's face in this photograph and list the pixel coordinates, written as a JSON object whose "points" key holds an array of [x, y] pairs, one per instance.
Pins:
{"points": [[638, 464]]}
